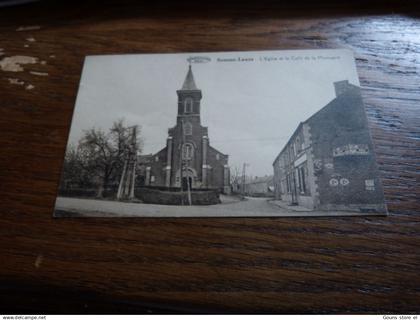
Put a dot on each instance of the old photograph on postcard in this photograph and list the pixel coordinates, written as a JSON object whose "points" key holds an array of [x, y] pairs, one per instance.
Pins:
{"points": [[222, 134]]}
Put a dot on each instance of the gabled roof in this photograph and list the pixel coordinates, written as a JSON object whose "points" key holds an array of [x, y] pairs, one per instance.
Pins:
{"points": [[345, 92], [215, 150], [349, 89], [144, 158], [189, 83], [291, 138], [267, 179]]}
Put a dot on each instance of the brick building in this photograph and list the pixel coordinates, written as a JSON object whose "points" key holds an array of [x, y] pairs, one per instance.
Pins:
{"points": [[329, 162], [188, 143]]}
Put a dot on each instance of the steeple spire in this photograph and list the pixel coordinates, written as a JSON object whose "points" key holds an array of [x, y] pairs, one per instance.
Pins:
{"points": [[189, 97], [189, 83]]}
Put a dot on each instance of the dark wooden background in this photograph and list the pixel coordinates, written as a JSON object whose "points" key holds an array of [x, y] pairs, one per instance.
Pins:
{"points": [[279, 265]]}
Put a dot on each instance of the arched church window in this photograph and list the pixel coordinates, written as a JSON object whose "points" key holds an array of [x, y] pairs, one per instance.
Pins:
{"points": [[187, 151], [188, 129], [188, 105]]}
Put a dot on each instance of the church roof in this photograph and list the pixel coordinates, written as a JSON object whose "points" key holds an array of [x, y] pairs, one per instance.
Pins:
{"points": [[189, 83]]}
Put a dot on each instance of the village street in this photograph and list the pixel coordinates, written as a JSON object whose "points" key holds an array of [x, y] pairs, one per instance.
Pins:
{"points": [[230, 206]]}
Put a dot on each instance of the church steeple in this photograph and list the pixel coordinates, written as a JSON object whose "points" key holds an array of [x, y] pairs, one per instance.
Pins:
{"points": [[189, 83], [189, 97]]}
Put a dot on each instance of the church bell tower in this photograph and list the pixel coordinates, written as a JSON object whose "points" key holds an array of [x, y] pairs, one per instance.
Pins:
{"points": [[189, 97], [187, 139], [188, 161]]}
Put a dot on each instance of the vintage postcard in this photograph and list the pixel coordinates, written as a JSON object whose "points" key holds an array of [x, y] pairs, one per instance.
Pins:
{"points": [[222, 134]]}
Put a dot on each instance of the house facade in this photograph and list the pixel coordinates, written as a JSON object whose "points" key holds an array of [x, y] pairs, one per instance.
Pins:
{"points": [[188, 160], [329, 162], [260, 186]]}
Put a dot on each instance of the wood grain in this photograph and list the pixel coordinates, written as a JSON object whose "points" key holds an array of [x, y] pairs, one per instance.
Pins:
{"points": [[270, 265]]}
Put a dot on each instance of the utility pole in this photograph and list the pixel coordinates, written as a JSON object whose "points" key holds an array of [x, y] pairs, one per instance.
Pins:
{"points": [[128, 177], [183, 169], [189, 190], [243, 178]]}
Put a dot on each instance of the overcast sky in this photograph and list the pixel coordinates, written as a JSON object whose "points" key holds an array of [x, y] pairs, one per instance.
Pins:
{"points": [[250, 107]]}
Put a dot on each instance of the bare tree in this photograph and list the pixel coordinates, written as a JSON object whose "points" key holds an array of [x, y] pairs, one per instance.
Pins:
{"points": [[74, 173], [235, 178], [103, 154]]}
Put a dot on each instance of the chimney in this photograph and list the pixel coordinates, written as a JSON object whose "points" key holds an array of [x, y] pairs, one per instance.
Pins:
{"points": [[341, 87]]}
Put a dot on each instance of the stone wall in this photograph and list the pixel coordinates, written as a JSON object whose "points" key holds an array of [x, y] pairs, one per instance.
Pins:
{"points": [[155, 196]]}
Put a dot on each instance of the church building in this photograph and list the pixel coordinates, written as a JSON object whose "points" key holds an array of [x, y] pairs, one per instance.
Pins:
{"points": [[188, 160]]}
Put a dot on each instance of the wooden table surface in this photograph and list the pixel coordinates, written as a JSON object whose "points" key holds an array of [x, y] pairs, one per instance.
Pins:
{"points": [[279, 265]]}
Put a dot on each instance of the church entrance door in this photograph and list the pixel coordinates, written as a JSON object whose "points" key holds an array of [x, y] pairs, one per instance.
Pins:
{"points": [[187, 183], [189, 177]]}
